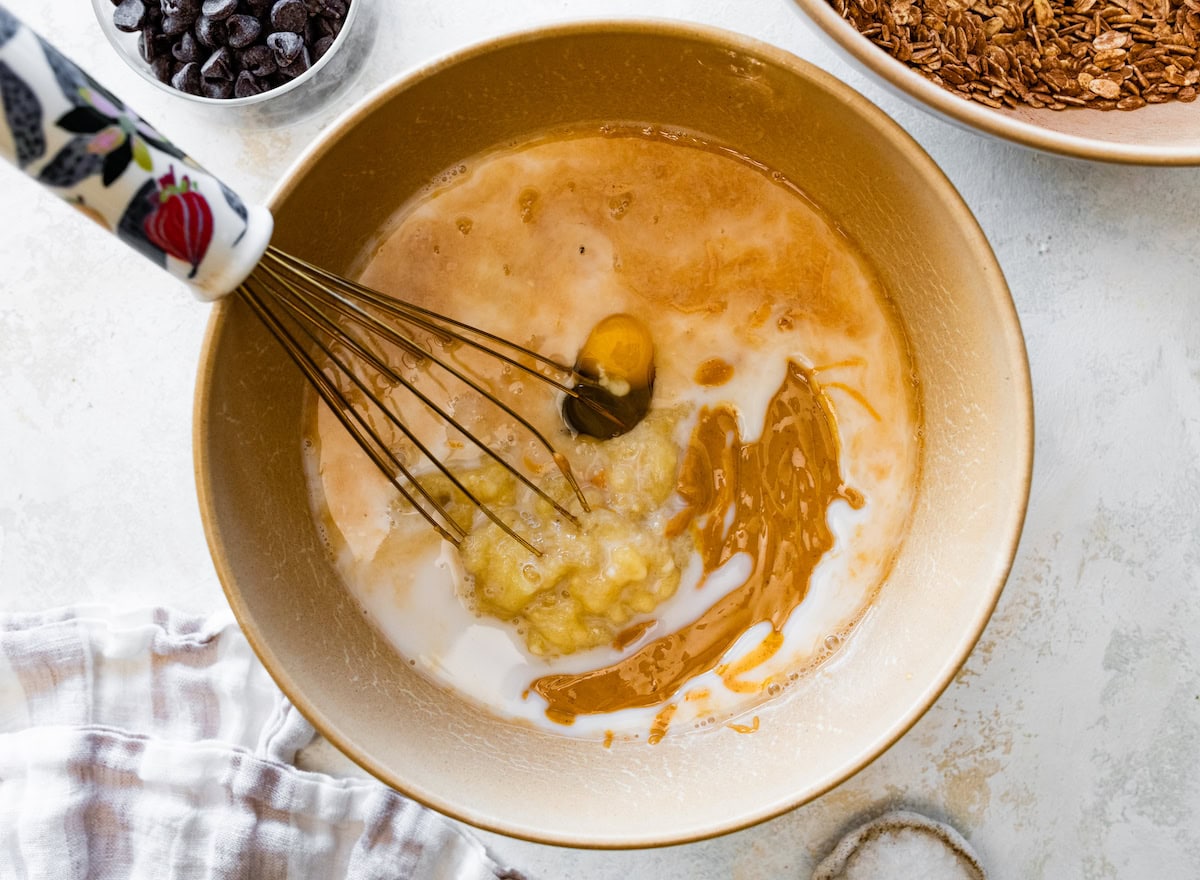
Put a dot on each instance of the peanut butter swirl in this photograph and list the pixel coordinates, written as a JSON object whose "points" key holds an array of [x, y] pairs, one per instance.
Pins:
{"points": [[778, 489]]}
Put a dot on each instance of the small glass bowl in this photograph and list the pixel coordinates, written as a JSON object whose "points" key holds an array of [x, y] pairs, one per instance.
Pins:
{"points": [[329, 76]]}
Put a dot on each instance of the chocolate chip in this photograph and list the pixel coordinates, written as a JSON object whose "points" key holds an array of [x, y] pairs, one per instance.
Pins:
{"points": [[210, 32], [162, 67], [151, 44], [182, 11], [242, 30], [297, 67], [174, 25], [321, 46], [129, 16], [326, 8], [259, 60], [286, 46], [187, 49], [187, 78], [220, 65], [187, 9], [319, 26], [289, 15], [218, 9], [217, 88], [247, 85]]}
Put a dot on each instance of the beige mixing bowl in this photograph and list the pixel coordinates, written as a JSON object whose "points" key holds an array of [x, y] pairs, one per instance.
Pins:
{"points": [[879, 186]]}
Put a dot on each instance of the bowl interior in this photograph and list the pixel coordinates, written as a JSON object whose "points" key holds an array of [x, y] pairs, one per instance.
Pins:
{"points": [[878, 186], [1158, 134]]}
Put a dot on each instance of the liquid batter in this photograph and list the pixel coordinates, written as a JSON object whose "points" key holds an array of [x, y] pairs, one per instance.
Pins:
{"points": [[793, 405]]}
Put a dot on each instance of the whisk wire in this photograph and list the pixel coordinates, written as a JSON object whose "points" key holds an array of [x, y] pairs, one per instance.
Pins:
{"points": [[349, 417], [333, 291], [364, 353], [290, 293], [437, 324], [326, 310]]}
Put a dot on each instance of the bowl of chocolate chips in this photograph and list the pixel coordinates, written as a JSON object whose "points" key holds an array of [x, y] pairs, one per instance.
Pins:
{"points": [[1110, 80], [232, 52]]}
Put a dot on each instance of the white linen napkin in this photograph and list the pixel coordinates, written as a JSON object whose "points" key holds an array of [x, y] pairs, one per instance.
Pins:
{"points": [[152, 745]]}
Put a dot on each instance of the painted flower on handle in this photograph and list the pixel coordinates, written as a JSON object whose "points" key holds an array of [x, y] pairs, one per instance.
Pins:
{"points": [[111, 132], [181, 222], [63, 129]]}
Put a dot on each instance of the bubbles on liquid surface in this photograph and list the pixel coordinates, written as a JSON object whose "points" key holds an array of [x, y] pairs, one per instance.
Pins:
{"points": [[445, 178], [527, 203], [619, 205]]}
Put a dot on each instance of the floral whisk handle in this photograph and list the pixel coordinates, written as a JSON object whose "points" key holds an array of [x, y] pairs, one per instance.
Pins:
{"points": [[68, 133]]}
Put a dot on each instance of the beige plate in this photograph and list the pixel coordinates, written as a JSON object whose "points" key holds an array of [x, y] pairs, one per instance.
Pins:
{"points": [[880, 187], [1159, 134]]}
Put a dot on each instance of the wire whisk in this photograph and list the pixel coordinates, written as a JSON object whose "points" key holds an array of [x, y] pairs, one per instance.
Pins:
{"points": [[332, 327], [187, 221]]}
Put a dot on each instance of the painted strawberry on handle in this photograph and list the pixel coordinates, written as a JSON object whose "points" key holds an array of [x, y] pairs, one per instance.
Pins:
{"points": [[181, 223]]}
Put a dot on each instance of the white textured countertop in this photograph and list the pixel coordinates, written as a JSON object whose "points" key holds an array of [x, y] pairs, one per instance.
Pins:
{"points": [[1066, 748]]}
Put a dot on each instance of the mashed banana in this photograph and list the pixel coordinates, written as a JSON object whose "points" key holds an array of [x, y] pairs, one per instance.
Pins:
{"points": [[596, 575]]}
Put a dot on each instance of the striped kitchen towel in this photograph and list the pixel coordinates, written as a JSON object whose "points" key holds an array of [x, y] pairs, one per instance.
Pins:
{"points": [[153, 745]]}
